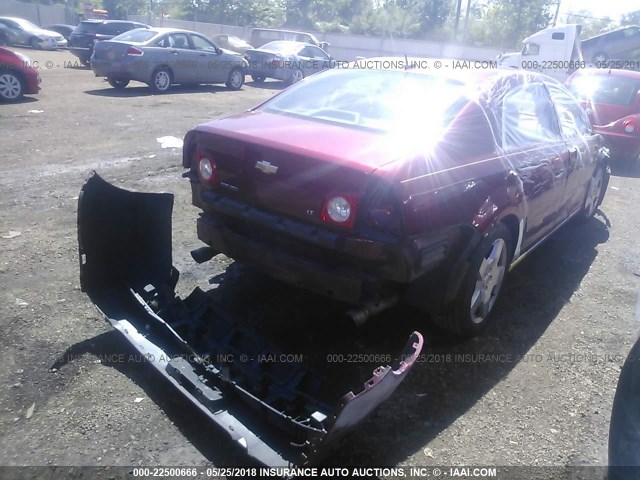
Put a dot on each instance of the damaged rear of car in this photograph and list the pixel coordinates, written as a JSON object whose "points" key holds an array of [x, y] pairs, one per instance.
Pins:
{"points": [[275, 411]]}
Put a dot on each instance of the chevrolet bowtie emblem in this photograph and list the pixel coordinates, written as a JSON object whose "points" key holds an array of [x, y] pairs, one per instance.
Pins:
{"points": [[266, 167]]}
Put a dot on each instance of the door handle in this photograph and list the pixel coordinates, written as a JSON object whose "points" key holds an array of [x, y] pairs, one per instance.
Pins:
{"points": [[175, 52], [203, 54]]}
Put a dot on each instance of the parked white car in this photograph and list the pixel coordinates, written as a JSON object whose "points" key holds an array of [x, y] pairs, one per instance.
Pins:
{"points": [[23, 32]]}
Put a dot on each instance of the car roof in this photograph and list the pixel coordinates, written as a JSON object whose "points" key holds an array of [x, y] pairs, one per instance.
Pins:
{"points": [[614, 72], [173, 30], [280, 30], [610, 32], [292, 43], [17, 19], [97, 20]]}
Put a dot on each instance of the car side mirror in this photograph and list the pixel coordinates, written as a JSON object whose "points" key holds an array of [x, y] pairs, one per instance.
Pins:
{"points": [[218, 51]]}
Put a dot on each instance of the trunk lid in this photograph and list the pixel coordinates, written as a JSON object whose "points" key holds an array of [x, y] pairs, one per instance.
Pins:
{"points": [[108, 50], [294, 173]]}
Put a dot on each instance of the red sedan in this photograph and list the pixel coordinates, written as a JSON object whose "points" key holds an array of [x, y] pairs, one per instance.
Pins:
{"points": [[17, 75], [612, 99], [375, 186]]}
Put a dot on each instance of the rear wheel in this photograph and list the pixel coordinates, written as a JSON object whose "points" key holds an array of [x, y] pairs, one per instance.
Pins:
{"points": [[470, 311], [161, 80], [595, 192], [258, 78], [119, 84], [236, 79], [11, 86], [296, 76]]}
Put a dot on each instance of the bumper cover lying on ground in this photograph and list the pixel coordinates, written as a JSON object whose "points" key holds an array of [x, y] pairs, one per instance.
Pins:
{"points": [[272, 410]]}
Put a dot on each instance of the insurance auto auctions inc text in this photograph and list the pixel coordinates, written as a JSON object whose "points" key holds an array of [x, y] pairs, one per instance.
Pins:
{"points": [[367, 472]]}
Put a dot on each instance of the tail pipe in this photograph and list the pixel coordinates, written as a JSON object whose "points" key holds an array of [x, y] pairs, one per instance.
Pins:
{"points": [[361, 314]]}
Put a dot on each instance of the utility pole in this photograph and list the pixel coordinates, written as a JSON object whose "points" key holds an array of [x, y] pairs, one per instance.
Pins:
{"points": [[149, 12], [555, 17]]}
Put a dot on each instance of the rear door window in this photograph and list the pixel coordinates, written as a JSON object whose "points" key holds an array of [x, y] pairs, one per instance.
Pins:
{"points": [[528, 117], [179, 40], [573, 119]]}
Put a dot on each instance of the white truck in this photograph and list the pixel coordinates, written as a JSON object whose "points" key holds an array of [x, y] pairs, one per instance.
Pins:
{"points": [[554, 51]]}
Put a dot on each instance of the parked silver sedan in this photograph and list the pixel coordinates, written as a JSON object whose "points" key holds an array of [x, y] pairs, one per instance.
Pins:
{"points": [[22, 32], [161, 57]]}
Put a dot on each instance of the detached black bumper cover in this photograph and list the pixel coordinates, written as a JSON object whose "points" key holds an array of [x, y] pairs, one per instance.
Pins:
{"points": [[272, 410]]}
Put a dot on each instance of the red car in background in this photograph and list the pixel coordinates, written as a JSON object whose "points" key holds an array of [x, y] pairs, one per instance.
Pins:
{"points": [[17, 76], [612, 100]]}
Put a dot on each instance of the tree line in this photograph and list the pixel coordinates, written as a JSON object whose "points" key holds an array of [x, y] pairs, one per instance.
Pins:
{"points": [[496, 23]]}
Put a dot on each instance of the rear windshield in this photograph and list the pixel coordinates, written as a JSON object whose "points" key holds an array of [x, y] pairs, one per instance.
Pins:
{"points": [[88, 27], [136, 36], [282, 47], [115, 28], [380, 100], [605, 89]]}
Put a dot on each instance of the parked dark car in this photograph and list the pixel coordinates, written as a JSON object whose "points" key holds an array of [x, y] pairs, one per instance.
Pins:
{"points": [[17, 76], [288, 61], [62, 29], [161, 57], [262, 36], [88, 32], [616, 44], [612, 100], [373, 186]]}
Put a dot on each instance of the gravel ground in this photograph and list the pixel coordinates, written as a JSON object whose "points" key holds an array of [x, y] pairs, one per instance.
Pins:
{"points": [[535, 389]]}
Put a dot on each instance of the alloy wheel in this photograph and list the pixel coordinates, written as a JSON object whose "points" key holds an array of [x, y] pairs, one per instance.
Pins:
{"points": [[162, 80], [489, 281], [594, 193], [10, 86]]}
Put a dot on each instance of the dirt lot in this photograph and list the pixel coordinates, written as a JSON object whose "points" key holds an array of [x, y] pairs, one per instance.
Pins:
{"points": [[566, 321]]}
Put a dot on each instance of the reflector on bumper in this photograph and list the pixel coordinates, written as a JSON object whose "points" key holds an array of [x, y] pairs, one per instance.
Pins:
{"points": [[272, 410]]}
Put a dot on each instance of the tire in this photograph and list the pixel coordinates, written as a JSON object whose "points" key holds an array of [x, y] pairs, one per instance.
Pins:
{"points": [[34, 43], [161, 80], [600, 58], [236, 79], [470, 312], [296, 76], [595, 192], [11, 86], [258, 78], [624, 427], [116, 83]]}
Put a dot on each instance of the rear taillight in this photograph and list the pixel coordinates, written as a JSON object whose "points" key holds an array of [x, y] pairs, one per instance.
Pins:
{"points": [[631, 126], [207, 168], [340, 210], [134, 52]]}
